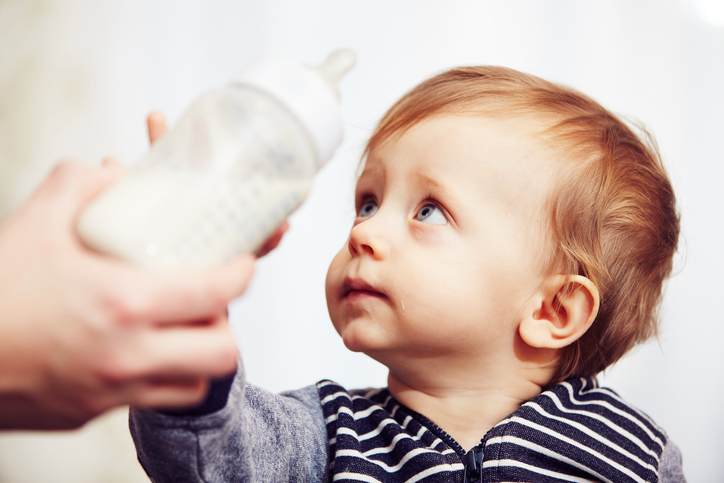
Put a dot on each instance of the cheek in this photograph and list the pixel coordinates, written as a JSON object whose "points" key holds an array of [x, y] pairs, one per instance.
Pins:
{"points": [[335, 274], [430, 289], [459, 291]]}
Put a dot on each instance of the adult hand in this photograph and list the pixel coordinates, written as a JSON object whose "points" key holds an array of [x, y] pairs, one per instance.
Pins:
{"points": [[81, 333]]}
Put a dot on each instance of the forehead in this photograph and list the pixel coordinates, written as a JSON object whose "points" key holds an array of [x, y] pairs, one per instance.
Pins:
{"points": [[498, 159]]}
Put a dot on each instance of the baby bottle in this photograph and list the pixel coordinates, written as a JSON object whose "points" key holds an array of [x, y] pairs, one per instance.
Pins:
{"points": [[237, 163]]}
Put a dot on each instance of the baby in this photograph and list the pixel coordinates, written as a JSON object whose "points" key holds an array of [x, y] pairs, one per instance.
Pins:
{"points": [[511, 242]]}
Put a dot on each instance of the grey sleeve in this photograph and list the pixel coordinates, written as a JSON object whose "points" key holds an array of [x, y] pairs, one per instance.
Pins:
{"points": [[256, 437], [670, 467]]}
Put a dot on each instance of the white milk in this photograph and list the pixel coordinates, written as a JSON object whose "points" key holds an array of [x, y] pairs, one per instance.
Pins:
{"points": [[239, 161], [171, 219]]}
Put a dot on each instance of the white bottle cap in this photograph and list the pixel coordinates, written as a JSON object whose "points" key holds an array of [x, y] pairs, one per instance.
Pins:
{"points": [[309, 93]]}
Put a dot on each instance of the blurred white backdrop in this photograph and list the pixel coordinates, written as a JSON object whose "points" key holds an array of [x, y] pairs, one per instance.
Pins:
{"points": [[77, 78]]}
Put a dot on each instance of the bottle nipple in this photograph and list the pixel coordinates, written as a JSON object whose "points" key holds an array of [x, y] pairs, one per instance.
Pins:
{"points": [[335, 67], [309, 93]]}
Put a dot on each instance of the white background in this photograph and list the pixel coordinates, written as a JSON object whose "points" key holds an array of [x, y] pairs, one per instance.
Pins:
{"points": [[77, 77]]}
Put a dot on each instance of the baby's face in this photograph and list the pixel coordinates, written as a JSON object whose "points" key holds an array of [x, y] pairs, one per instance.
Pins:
{"points": [[442, 254]]}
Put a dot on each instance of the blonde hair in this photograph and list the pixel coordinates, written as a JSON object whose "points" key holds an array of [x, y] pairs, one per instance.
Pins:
{"points": [[610, 216]]}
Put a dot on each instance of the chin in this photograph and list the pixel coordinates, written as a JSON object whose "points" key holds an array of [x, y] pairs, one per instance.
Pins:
{"points": [[356, 337], [354, 342]]}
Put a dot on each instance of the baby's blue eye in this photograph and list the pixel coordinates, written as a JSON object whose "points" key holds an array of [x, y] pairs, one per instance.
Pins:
{"points": [[368, 209], [431, 214]]}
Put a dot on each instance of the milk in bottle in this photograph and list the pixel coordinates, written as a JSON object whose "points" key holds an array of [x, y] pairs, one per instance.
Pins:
{"points": [[238, 162]]}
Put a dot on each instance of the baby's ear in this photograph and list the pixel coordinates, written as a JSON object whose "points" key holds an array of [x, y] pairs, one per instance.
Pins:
{"points": [[560, 313]]}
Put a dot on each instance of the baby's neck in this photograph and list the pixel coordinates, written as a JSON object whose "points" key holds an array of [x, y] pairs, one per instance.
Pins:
{"points": [[467, 413]]}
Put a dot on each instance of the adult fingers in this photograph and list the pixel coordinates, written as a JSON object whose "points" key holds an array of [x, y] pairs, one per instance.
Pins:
{"points": [[68, 187], [189, 352], [168, 394], [176, 352], [178, 296]]}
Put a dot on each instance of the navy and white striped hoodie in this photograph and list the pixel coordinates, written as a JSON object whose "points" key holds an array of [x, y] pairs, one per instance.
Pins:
{"points": [[575, 431]]}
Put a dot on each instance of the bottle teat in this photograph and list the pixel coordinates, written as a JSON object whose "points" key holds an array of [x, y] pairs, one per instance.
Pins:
{"points": [[335, 67], [310, 93]]}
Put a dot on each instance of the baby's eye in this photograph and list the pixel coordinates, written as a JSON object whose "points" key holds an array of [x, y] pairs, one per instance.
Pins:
{"points": [[430, 213], [369, 208]]}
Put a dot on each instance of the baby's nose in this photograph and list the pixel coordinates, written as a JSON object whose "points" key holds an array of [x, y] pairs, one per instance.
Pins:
{"points": [[367, 238]]}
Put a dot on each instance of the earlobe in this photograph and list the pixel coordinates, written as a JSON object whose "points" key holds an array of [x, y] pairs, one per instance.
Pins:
{"points": [[563, 312]]}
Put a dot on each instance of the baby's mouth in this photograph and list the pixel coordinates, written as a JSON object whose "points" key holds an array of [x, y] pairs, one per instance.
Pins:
{"points": [[357, 288]]}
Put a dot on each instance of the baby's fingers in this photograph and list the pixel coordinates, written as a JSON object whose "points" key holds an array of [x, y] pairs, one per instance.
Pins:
{"points": [[156, 123], [112, 163], [273, 241]]}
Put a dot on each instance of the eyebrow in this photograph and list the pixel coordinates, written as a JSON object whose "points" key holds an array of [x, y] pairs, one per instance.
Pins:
{"points": [[452, 203], [370, 172], [425, 180]]}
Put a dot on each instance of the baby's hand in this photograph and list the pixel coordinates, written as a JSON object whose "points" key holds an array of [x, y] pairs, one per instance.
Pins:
{"points": [[156, 123]]}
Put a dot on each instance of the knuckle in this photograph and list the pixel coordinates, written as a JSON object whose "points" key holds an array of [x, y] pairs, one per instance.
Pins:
{"points": [[197, 393], [216, 296], [124, 309], [68, 182], [233, 279], [66, 167], [64, 172], [116, 369], [227, 358]]}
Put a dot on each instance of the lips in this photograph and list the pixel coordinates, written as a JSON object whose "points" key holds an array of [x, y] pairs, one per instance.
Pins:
{"points": [[355, 288]]}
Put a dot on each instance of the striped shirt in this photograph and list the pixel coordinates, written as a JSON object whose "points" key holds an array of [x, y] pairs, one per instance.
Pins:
{"points": [[575, 431]]}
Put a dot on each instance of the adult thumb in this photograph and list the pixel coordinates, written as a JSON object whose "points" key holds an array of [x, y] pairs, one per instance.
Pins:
{"points": [[71, 185]]}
